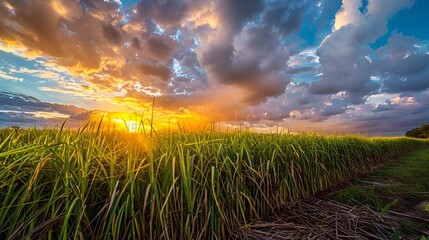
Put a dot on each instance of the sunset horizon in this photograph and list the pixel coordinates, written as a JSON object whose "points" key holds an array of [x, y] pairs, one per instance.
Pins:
{"points": [[214, 119]]}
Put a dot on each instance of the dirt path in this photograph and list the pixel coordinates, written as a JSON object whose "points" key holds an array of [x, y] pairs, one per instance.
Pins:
{"points": [[390, 203]]}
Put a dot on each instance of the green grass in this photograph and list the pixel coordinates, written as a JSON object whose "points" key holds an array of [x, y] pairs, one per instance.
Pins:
{"points": [[411, 170], [407, 177], [91, 183], [401, 185]]}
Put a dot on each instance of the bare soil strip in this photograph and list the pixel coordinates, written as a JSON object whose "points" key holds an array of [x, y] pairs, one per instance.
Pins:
{"points": [[368, 213], [315, 218]]}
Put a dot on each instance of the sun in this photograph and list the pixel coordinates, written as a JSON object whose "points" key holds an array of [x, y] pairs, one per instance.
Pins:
{"points": [[160, 121], [131, 126]]}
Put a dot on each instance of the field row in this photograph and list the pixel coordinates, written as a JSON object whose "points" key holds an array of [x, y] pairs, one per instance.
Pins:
{"points": [[91, 185]]}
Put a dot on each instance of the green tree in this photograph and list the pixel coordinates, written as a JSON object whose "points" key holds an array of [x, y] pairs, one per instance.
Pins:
{"points": [[420, 132]]}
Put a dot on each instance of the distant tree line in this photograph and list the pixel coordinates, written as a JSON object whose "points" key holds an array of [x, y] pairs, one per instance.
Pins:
{"points": [[420, 132]]}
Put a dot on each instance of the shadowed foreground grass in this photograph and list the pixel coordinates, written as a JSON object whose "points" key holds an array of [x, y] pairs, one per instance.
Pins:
{"points": [[94, 184]]}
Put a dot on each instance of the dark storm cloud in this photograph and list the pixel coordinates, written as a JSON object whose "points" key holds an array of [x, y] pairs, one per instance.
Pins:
{"points": [[37, 18], [342, 65], [157, 70], [343, 54], [9, 119], [398, 47], [298, 104], [413, 82], [259, 82], [166, 12], [22, 110], [21, 102], [189, 75], [86, 5], [217, 57], [112, 34], [135, 42], [337, 106], [287, 16], [395, 119], [160, 47], [235, 13], [405, 68], [385, 106], [256, 62], [412, 64]]}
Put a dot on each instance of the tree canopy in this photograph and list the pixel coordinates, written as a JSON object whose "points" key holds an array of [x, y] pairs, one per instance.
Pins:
{"points": [[420, 132]]}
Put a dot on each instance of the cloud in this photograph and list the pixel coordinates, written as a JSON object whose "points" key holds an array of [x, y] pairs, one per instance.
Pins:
{"points": [[342, 53], [234, 13], [403, 66], [55, 29], [157, 70], [394, 116], [9, 76], [44, 74], [160, 47], [90, 39], [157, 44], [135, 42], [408, 75], [226, 59], [299, 70], [251, 57], [167, 13], [22, 110], [112, 33], [21, 102]]}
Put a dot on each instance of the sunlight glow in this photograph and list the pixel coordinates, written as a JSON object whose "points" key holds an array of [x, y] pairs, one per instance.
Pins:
{"points": [[131, 126], [160, 121]]}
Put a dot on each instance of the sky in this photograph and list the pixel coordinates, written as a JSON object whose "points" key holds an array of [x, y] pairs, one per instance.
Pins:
{"points": [[329, 65]]}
